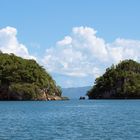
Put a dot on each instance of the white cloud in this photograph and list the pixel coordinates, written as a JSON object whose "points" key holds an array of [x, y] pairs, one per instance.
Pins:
{"points": [[80, 57], [66, 41], [122, 49], [83, 54], [10, 44]]}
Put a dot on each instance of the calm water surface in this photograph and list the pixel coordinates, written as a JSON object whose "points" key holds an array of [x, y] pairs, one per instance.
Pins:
{"points": [[70, 120]]}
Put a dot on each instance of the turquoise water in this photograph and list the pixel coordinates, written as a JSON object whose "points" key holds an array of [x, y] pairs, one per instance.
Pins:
{"points": [[70, 120]]}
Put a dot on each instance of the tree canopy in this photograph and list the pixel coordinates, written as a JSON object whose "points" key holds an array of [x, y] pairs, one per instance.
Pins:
{"points": [[118, 82], [24, 79]]}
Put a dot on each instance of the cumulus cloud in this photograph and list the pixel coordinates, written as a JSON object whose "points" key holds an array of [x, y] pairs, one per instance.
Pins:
{"points": [[122, 49], [10, 44], [83, 53], [66, 41], [80, 56]]}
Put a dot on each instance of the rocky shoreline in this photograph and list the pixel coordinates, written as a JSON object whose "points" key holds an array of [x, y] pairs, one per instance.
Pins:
{"points": [[56, 98]]}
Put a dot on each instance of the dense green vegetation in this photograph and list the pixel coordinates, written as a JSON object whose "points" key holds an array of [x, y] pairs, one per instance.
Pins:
{"points": [[23, 79], [118, 82]]}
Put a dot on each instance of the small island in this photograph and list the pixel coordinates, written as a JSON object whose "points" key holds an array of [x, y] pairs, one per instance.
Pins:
{"points": [[82, 98], [118, 82], [23, 79]]}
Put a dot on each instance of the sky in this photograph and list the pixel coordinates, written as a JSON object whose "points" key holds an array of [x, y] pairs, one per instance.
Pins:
{"points": [[74, 40]]}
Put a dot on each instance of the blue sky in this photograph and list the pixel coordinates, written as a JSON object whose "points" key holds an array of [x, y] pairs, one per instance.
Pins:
{"points": [[60, 35]]}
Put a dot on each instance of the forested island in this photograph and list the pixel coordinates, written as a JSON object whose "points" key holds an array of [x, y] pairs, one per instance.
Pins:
{"points": [[120, 81], [23, 79]]}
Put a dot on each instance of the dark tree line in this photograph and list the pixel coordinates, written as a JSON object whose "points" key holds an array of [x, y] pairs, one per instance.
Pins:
{"points": [[23, 79], [121, 81]]}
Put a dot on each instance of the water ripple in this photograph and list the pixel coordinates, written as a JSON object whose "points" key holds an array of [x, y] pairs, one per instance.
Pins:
{"points": [[70, 120]]}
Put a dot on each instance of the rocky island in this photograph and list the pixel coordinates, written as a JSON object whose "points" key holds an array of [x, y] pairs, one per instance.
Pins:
{"points": [[118, 82], [23, 79]]}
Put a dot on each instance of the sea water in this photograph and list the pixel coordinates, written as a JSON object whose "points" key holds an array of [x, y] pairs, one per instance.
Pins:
{"points": [[70, 120]]}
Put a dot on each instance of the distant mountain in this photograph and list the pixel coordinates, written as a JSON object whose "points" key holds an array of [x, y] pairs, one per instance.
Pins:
{"points": [[75, 92]]}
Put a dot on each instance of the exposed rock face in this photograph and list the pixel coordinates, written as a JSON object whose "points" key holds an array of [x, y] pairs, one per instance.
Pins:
{"points": [[43, 96], [47, 97], [50, 97]]}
